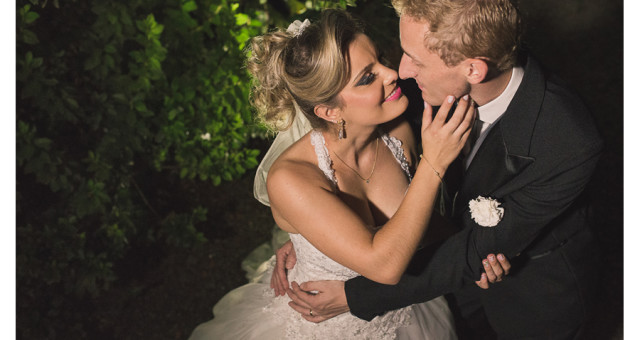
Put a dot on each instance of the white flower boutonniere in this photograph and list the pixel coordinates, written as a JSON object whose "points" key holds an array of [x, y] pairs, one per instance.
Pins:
{"points": [[486, 211]]}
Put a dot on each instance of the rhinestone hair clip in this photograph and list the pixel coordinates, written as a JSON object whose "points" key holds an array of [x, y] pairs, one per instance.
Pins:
{"points": [[297, 27]]}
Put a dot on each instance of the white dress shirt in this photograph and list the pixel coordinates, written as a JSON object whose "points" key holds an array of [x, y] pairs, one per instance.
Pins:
{"points": [[490, 113]]}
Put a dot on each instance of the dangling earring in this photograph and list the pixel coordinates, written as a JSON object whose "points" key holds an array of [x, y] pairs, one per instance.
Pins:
{"points": [[341, 131]]}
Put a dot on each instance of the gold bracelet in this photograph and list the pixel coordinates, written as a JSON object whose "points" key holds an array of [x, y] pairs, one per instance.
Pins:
{"points": [[442, 190], [434, 169]]}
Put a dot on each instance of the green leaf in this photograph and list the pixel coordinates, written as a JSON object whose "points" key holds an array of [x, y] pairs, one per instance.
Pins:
{"points": [[110, 48], [31, 17], [92, 61], [184, 172], [140, 106], [157, 29], [72, 102], [242, 19], [37, 62], [119, 97], [44, 143], [227, 176], [140, 24], [173, 113], [29, 37], [189, 6]]}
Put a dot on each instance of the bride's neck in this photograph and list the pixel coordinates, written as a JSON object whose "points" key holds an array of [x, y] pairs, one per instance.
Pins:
{"points": [[354, 146]]}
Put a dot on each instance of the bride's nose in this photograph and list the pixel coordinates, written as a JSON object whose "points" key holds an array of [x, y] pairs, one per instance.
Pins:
{"points": [[390, 77]]}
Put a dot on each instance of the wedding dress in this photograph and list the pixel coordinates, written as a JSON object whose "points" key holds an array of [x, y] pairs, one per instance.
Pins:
{"points": [[252, 312]]}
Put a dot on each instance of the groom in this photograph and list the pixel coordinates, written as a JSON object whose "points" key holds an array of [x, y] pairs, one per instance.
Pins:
{"points": [[535, 151]]}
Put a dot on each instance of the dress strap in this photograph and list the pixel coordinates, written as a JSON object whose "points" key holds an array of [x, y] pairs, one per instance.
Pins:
{"points": [[395, 145], [324, 161]]}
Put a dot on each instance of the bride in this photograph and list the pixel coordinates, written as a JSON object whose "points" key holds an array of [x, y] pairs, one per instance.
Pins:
{"points": [[342, 190]]}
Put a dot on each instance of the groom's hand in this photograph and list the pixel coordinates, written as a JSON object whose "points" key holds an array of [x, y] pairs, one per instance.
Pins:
{"points": [[318, 301], [285, 260], [496, 268]]}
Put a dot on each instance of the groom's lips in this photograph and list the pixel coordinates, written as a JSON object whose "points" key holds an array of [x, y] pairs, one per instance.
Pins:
{"points": [[397, 93]]}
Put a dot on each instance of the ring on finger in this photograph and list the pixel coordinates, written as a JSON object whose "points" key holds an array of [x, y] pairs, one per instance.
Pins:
{"points": [[310, 312]]}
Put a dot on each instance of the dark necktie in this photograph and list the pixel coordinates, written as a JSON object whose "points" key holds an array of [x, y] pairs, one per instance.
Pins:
{"points": [[476, 131]]}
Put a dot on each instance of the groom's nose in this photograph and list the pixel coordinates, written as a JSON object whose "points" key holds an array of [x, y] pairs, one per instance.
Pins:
{"points": [[406, 68]]}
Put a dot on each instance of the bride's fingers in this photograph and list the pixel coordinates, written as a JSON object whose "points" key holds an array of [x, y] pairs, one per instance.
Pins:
{"points": [[496, 267], [427, 115], [489, 270], [306, 314], [279, 286], [443, 112], [506, 265], [304, 311], [483, 283], [280, 281], [460, 119], [275, 282], [458, 114], [465, 126], [298, 296]]}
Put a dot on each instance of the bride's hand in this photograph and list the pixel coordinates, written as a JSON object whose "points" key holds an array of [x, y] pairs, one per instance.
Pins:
{"points": [[442, 140], [285, 260], [496, 268], [318, 301]]}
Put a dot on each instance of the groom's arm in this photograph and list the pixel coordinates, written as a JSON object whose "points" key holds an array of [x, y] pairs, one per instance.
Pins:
{"points": [[538, 206], [442, 273], [459, 258]]}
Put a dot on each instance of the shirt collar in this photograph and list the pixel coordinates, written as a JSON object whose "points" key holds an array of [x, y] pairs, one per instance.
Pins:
{"points": [[491, 111]]}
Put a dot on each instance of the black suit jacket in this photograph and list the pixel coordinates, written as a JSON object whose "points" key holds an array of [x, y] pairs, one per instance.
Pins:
{"points": [[536, 161]]}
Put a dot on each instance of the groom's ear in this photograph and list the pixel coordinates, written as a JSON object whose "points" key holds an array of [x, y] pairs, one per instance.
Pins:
{"points": [[476, 70], [327, 113]]}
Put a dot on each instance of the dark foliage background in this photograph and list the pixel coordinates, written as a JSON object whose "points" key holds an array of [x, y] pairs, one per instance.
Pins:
{"points": [[136, 151]]}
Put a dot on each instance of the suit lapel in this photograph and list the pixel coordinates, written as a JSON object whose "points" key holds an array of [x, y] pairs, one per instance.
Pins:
{"points": [[492, 167], [505, 151]]}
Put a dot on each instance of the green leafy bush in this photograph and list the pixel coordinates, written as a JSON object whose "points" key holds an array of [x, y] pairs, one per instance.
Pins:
{"points": [[118, 104]]}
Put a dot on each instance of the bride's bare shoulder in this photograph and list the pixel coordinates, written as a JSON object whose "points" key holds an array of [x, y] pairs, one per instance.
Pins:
{"points": [[298, 167]]}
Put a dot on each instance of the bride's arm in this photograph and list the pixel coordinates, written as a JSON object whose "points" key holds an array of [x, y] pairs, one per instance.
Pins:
{"points": [[301, 201]]}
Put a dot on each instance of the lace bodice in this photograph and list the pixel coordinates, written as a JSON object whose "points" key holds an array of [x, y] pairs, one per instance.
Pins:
{"points": [[324, 159], [313, 265]]}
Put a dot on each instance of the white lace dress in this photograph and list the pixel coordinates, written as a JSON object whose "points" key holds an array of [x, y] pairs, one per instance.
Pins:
{"points": [[252, 312]]}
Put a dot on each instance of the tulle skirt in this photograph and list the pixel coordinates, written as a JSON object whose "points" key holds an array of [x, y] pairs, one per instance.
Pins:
{"points": [[252, 312]]}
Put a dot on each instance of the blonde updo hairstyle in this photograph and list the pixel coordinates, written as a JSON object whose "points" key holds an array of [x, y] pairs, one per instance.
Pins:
{"points": [[302, 70]]}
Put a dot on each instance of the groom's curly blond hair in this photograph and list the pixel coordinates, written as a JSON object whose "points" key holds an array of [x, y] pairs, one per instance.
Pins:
{"points": [[460, 29]]}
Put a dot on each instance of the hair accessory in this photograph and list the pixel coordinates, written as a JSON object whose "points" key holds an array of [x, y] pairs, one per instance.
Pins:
{"points": [[341, 131], [296, 28]]}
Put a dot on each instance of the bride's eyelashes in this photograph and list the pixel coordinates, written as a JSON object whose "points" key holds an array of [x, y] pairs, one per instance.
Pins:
{"points": [[367, 79]]}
